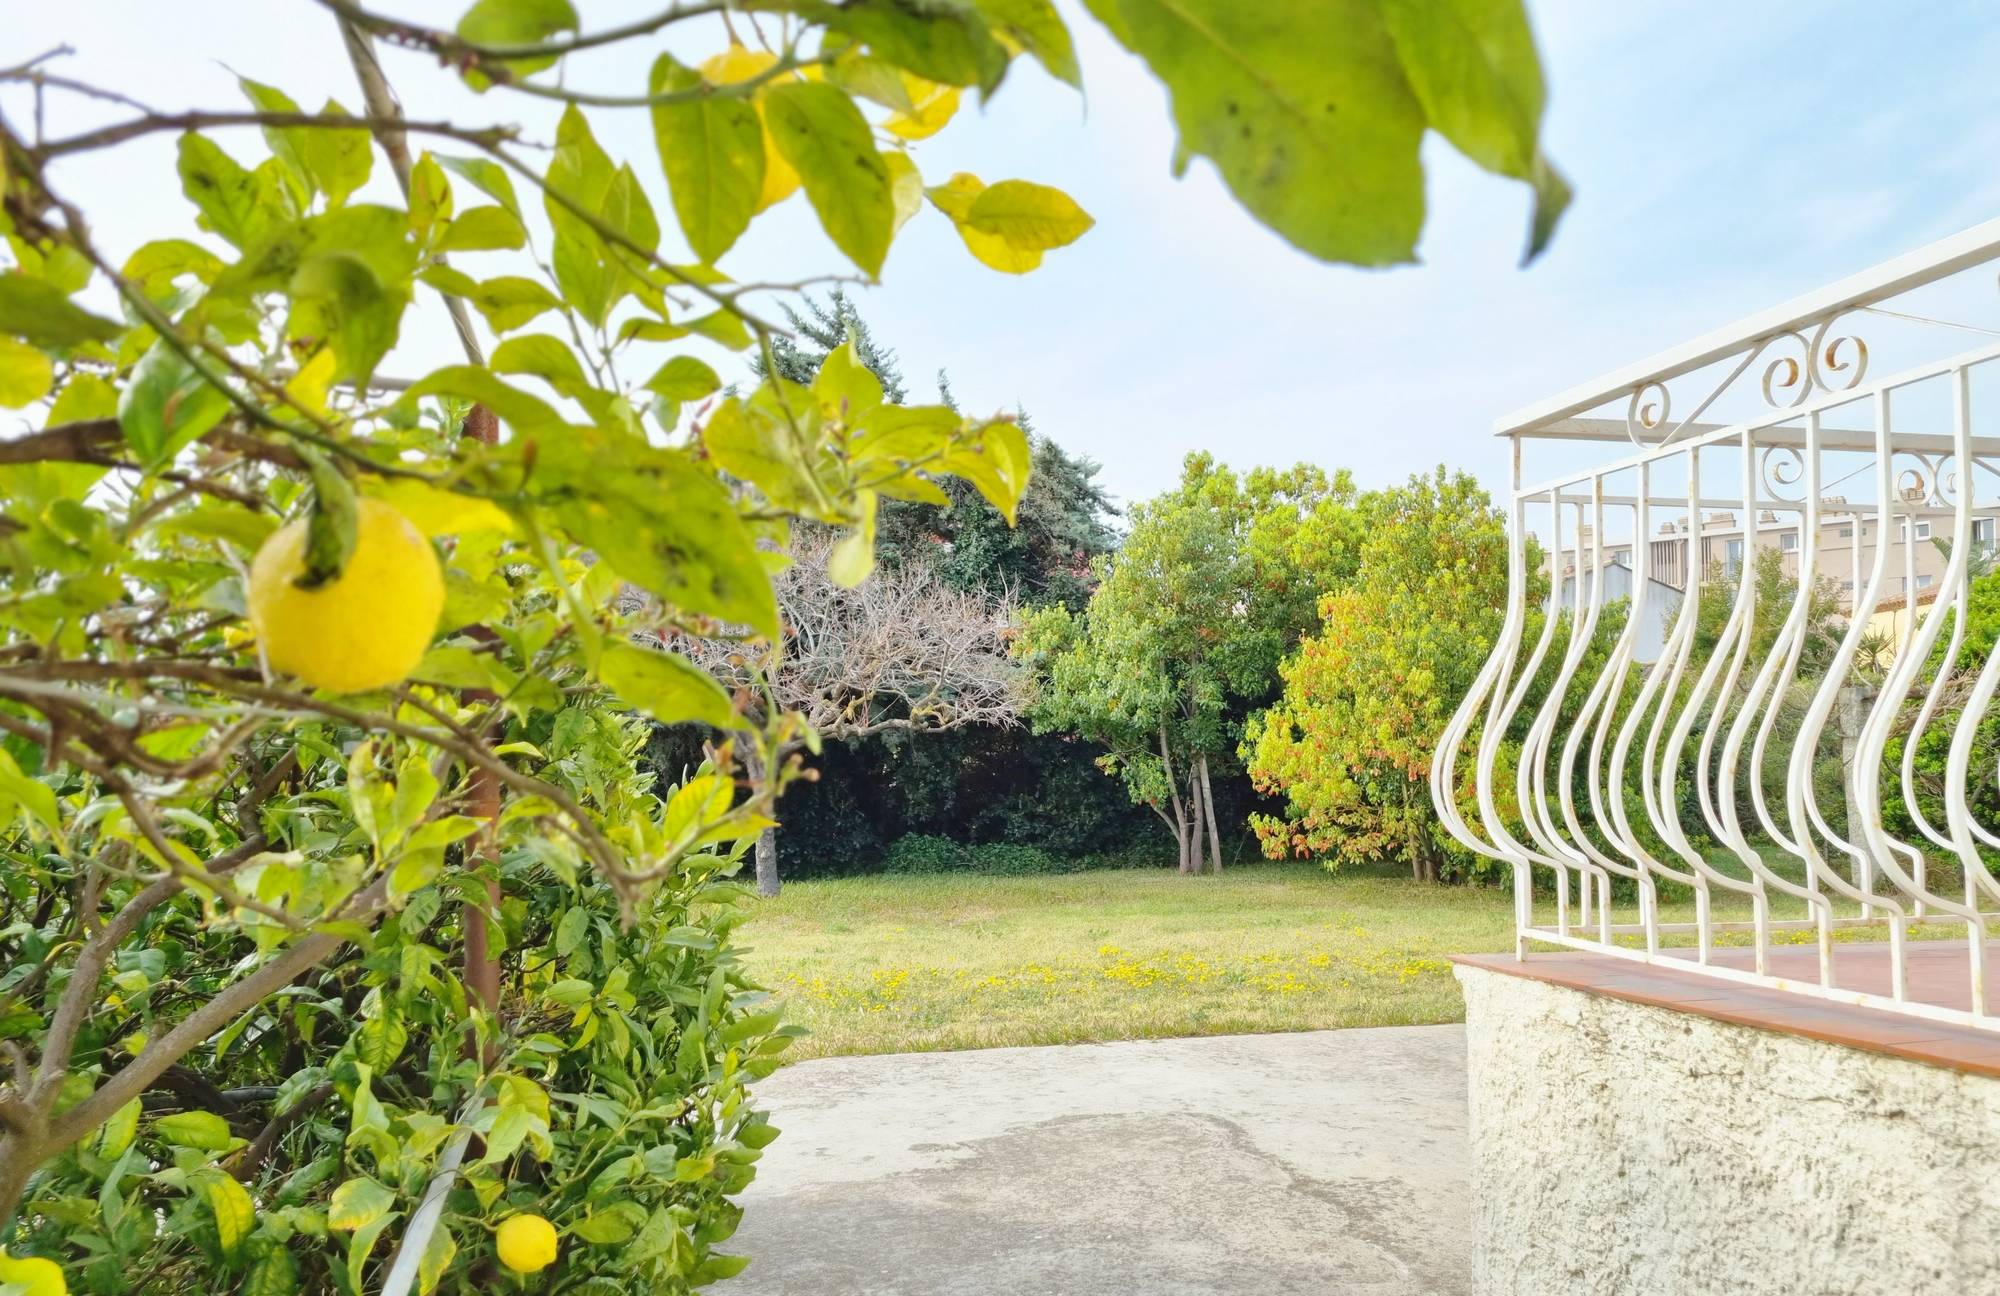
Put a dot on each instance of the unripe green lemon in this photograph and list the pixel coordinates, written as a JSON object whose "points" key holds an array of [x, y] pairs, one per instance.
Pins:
{"points": [[527, 1243], [368, 627]]}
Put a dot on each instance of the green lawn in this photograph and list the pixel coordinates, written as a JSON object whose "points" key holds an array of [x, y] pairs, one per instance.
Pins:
{"points": [[895, 964], [901, 964]]}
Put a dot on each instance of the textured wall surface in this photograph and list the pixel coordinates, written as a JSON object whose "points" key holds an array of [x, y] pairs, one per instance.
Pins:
{"points": [[1624, 1149]]}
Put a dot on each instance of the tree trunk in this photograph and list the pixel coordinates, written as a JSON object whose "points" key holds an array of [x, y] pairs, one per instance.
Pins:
{"points": [[1194, 815], [767, 862], [1208, 808], [767, 841], [1188, 861]]}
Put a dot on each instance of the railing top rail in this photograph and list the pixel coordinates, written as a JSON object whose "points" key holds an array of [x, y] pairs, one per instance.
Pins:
{"points": [[1898, 275]]}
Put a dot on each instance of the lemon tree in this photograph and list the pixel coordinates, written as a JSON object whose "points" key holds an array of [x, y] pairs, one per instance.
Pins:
{"points": [[343, 945]]}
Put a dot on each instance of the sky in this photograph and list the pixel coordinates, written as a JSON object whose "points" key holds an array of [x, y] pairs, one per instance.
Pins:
{"points": [[1725, 157]]}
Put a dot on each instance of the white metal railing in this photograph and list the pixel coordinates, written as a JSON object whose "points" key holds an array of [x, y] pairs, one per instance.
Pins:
{"points": [[1658, 729]]}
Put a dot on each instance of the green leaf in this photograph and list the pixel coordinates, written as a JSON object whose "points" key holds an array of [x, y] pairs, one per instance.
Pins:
{"points": [[331, 523], [665, 685], [612, 1224], [156, 265], [287, 143], [683, 378], [853, 555], [118, 1132], [484, 229], [1030, 217], [1037, 28], [488, 176], [204, 1131], [771, 447], [352, 285], [508, 302], [166, 404], [358, 1203], [25, 374], [940, 42], [501, 23], [430, 197], [955, 198], [712, 150], [1473, 66], [545, 357], [436, 1259], [230, 1205], [38, 312], [1304, 109], [528, 415], [583, 174], [222, 190], [662, 523], [828, 142], [274, 1274], [339, 160]]}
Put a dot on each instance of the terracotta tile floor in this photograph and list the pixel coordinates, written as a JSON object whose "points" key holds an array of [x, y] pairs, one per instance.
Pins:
{"points": [[1936, 969]]}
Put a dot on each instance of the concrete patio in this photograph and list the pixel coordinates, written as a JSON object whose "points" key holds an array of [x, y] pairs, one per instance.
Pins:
{"points": [[1324, 1162]]}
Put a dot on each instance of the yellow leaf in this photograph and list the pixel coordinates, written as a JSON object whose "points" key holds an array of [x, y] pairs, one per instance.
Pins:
{"points": [[1031, 217], [308, 386], [734, 66], [435, 511], [33, 1275], [997, 252], [25, 374], [906, 187], [931, 106], [235, 1214]]}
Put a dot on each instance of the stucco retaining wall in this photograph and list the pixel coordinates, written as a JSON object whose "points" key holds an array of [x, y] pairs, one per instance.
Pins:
{"points": [[1630, 1150]]}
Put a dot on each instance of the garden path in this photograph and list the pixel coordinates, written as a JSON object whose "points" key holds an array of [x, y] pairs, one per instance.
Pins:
{"points": [[1320, 1162]]}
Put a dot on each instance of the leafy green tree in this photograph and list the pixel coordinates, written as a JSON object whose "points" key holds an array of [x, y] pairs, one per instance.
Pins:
{"points": [[1216, 580], [1349, 744], [340, 930]]}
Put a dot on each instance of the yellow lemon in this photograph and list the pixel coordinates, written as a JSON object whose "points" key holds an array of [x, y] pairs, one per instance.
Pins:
{"points": [[34, 1275], [366, 628], [527, 1243], [740, 63]]}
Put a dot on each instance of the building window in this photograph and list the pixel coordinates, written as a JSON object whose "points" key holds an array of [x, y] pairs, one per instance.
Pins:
{"points": [[1732, 554], [1846, 533], [1789, 542], [1982, 532], [1923, 531], [1847, 586], [1924, 581]]}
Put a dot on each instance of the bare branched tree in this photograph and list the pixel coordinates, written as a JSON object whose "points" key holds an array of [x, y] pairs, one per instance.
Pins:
{"points": [[901, 650]]}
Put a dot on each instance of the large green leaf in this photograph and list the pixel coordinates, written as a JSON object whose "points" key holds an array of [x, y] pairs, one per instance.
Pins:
{"points": [[38, 311], [942, 40], [661, 522], [583, 173], [338, 159], [666, 686], [712, 149], [1314, 113], [826, 139], [166, 404], [1473, 66], [1037, 28], [227, 195], [25, 374], [352, 284], [501, 23]]}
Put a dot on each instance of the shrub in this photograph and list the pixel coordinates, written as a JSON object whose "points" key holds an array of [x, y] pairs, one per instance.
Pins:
{"points": [[1006, 859], [923, 853]]}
